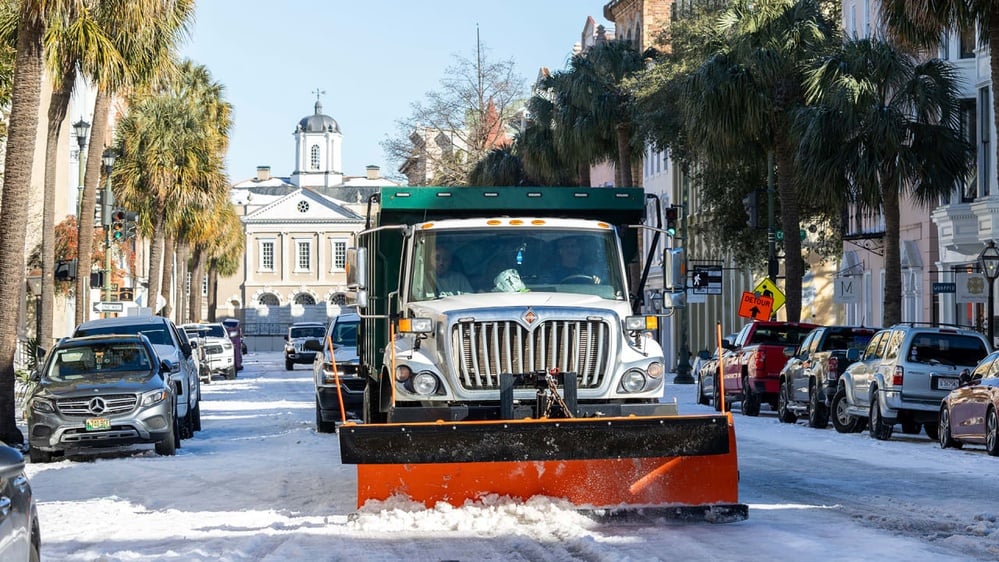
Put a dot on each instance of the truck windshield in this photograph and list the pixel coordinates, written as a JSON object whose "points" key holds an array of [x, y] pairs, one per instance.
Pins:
{"points": [[453, 262]]}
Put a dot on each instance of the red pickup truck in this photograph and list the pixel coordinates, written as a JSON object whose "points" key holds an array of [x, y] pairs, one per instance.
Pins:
{"points": [[756, 357]]}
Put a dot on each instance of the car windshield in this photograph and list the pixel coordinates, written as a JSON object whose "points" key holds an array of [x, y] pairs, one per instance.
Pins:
{"points": [[453, 262], [345, 333], [157, 335], [98, 360], [783, 335], [216, 331], [307, 332], [849, 340]]}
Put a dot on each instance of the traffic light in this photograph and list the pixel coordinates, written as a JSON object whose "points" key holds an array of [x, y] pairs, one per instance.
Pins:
{"points": [[118, 225], [672, 216], [752, 204]]}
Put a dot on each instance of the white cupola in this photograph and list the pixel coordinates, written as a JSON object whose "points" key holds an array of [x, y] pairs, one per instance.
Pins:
{"points": [[318, 151]]}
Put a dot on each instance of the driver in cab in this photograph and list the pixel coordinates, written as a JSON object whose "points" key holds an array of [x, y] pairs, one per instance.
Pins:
{"points": [[570, 266]]}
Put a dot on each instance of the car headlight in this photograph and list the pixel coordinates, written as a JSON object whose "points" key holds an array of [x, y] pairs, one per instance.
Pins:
{"points": [[154, 397], [227, 345], [633, 381], [656, 370], [425, 383], [42, 405]]}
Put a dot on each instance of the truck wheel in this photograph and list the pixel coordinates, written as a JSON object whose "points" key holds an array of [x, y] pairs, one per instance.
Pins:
{"points": [[750, 400], [288, 365], [783, 413], [843, 421], [944, 436], [701, 398], [818, 412], [323, 426], [880, 429], [371, 413]]}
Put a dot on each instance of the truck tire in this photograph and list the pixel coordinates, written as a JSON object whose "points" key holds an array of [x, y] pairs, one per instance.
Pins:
{"points": [[371, 413], [323, 426], [750, 399], [842, 421], [783, 413], [818, 412], [880, 428]]}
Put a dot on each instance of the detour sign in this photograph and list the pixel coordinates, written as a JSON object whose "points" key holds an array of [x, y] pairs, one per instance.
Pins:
{"points": [[755, 306]]}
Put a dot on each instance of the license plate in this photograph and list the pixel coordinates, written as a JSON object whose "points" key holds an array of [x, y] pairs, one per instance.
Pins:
{"points": [[98, 424], [946, 383]]}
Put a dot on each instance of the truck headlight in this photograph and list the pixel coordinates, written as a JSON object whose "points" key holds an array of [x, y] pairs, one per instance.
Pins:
{"points": [[656, 370], [402, 373], [633, 381], [425, 383], [416, 325], [640, 323]]}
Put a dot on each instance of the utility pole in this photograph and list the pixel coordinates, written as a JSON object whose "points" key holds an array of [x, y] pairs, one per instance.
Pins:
{"points": [[108, 159], [683, 375], [772, 265]]}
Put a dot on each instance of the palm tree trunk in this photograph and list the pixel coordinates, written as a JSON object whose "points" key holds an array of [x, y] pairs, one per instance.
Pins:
{"points": [[197, 272], [794, 265], [169, 252], [893, 260], [85, 228], [624, 155], [155, 261], [213, 286], [20, 154], [583, 169], [180, 293], [58, 106]]}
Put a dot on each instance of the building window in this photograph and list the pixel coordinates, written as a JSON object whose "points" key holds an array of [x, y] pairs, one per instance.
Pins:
{"points": [[338, 299], [303, 255], [969, 130], [303, 206], [268, 299], [304, 298], [984, 148], [266, 255], [314, 157], [339, 255], [204, 285], [967, 42]]}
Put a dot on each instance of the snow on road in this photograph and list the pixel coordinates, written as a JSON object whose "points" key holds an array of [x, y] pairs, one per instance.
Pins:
{"points": [[258, 483]]}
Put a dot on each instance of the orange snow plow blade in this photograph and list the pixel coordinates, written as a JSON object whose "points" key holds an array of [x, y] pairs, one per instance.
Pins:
{"points": [[683, 466]]}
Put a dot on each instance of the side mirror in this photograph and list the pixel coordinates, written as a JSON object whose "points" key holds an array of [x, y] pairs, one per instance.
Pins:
{"points": [[286, 337], [194, 344], [965, 378], [362, 299], [166, 367], [852, 354], [312, 345], [185, 348], [789, 352], [727, 345], [35, 375]]}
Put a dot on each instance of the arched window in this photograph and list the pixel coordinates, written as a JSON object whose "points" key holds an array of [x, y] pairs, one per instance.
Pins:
{"points": [[314, 157], [268, 299], [338, 298], [304, 298]]}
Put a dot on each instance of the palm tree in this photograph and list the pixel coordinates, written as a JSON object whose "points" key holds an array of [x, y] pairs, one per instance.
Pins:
{"points": [[558, 141], [172, 144], [145, 33], [884, 128], [745, 95], [20, 153], [922, 24], [596, 92], [209, 238]]}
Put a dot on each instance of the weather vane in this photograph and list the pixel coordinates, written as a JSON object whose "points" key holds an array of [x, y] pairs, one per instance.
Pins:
{"points": [[318, 92]]}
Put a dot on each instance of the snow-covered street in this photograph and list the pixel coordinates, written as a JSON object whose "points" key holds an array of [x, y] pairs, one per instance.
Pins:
{"points": [[258, 483]]}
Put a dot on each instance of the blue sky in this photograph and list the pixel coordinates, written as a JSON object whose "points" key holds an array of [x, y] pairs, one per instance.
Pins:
{"points": [[372, 58]]}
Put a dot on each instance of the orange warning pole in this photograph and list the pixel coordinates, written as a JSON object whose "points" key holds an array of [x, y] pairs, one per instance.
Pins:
{"points": [[721, 368], [336, 377]]}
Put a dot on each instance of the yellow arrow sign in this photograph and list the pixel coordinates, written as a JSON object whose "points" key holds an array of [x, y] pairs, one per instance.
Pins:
{"points": [[768, 288]]}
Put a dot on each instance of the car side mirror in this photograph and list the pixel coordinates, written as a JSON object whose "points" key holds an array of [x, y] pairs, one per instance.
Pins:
{"points": [[286, 337], [167, 366], [727, 345], [34, 376], [312, 345], [964, 378], [852, 354], [194, 344]]}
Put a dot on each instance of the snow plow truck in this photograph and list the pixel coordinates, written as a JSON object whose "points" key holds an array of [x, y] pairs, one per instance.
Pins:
{"points": [[496, 370]]}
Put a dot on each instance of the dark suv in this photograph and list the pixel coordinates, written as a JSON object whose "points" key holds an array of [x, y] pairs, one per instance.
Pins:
{"points": [[102, 391], [341, 366], [901, 378]]}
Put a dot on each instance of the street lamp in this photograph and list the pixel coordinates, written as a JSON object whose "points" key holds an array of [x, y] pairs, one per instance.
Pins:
{"points": [[35, 284], [80, 130], [108, 159], [989, 262]]}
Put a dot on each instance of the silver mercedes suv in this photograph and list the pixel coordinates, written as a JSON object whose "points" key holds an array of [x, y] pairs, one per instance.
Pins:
{"points": [[903, 374], [99, 392]]}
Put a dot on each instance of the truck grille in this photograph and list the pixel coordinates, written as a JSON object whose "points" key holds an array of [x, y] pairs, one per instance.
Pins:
{"points": [[105, 405], [483, 350]]}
